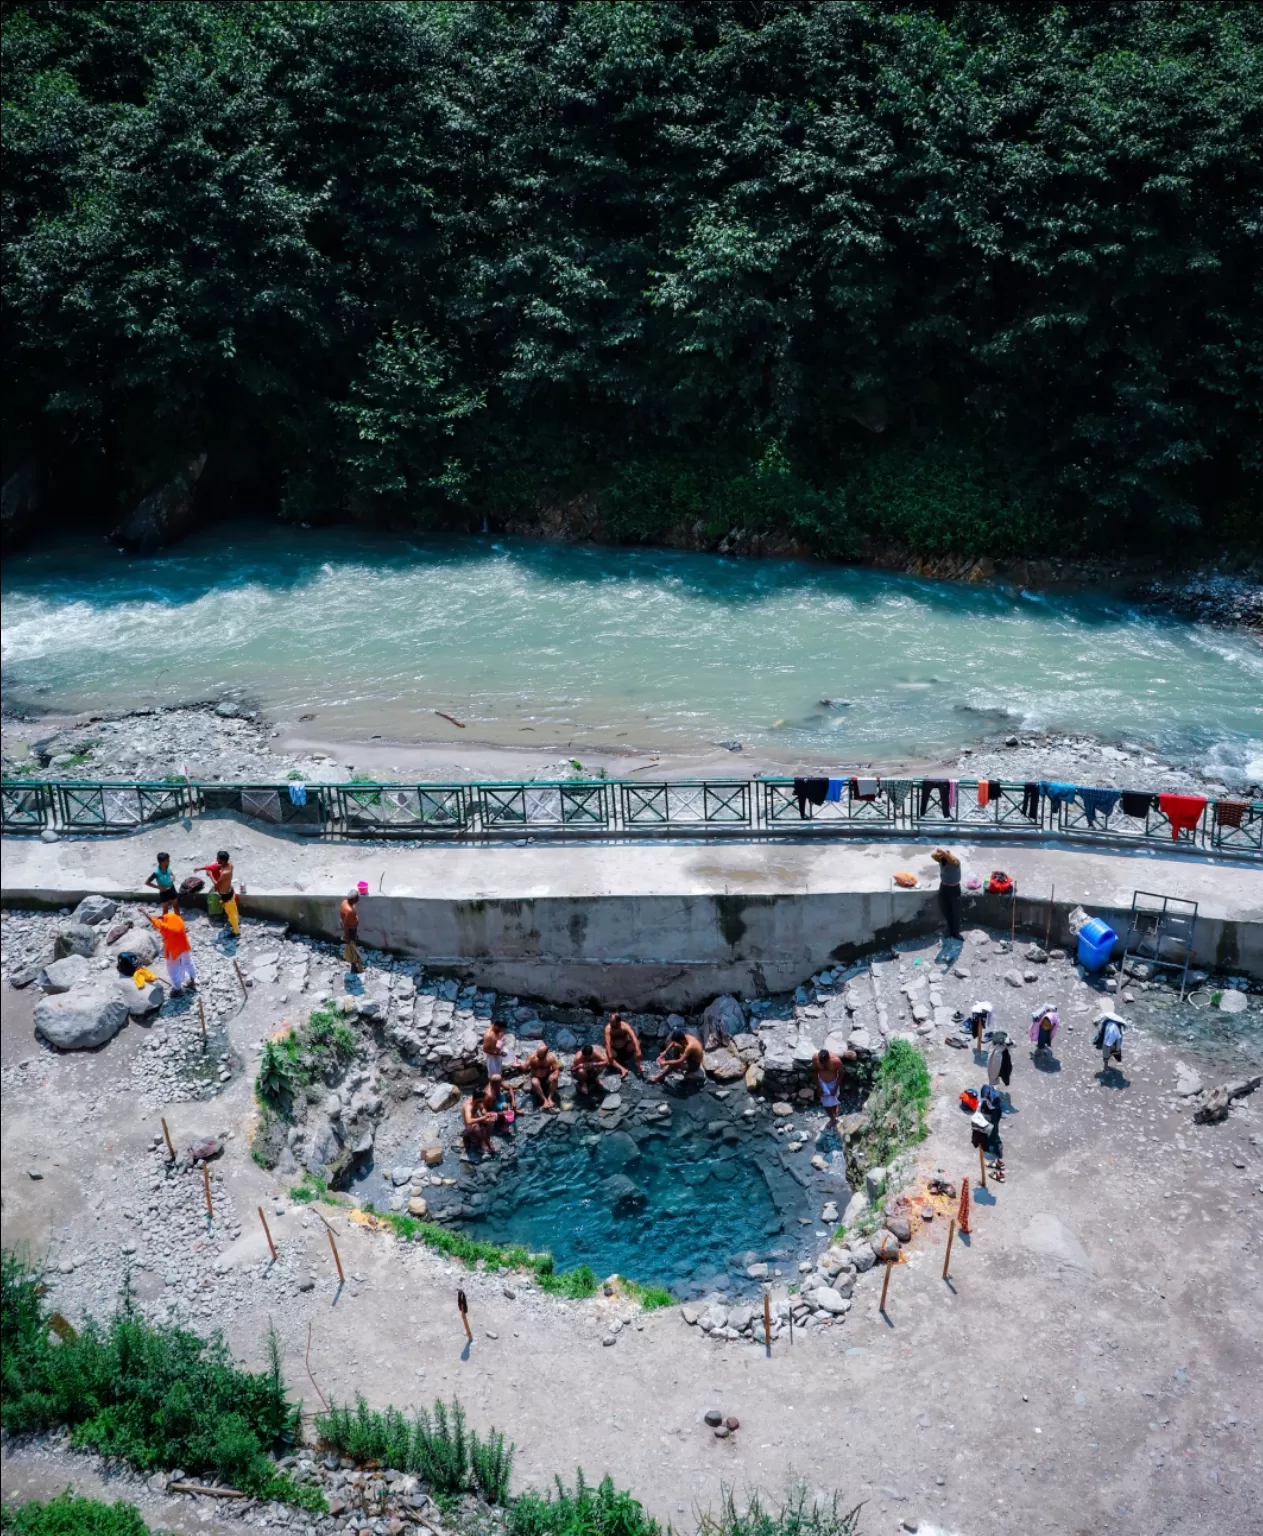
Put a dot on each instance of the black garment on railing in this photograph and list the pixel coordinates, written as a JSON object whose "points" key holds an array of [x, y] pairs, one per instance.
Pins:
{"points": [[813, 790], [1137, 804], [944, 787], [994, 787], [1030, 801]]}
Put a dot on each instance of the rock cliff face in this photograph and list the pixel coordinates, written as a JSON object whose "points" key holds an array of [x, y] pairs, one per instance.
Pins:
{"points": [[163, 516]]}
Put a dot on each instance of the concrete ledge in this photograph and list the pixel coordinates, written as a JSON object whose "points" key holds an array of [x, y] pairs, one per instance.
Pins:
{"points": [[648, 927]]}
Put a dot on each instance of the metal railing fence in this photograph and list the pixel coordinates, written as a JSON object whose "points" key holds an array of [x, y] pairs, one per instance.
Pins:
{"points": [[623, 808]]}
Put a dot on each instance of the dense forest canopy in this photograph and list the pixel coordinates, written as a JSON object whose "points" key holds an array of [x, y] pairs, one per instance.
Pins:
{"points": [[983, 276]]}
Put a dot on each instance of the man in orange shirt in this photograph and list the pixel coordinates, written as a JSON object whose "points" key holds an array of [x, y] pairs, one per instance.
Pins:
{"points": [[178, 950]]}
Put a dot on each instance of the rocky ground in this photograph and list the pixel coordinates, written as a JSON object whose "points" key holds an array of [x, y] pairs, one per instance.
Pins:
{"points": [[232, 743], [1088, 1360]]}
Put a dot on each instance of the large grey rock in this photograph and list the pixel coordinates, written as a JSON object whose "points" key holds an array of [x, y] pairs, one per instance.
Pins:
{"points": [[442, 1097], [615, 1151], [830, 1300], [625, 1197], [863, 1256], [1233, 1002], [142, 1001], [93, 910], [61, 975], [875, 1183], [855, 1208], [885, 1245], [165, 515], [82, 1018], [74, 939], [144, 943], [721, 1020]]}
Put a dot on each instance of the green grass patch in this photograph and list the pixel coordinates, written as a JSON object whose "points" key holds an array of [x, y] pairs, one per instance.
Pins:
{"points": [[581, 1511], [897, 1105], [435, 1446], [67, 1515], [798, 1515], [291, 1064], [576, 1284], [155, 1396], [651, 1297]]}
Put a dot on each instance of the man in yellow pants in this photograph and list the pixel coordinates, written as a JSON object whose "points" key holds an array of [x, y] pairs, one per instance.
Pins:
{"points": [[221, 875]]}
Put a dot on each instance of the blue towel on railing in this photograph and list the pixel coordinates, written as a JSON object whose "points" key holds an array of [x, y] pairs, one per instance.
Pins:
{"points": [[297, 794], [1058, 793], [1094, 800], [834, 791]]}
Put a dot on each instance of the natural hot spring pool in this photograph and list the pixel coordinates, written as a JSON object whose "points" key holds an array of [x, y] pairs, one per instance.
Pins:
{"points": [[687, 1201]]}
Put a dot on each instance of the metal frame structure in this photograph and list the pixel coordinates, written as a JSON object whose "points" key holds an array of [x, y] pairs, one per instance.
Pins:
{"points": [[1170, 920], [620, 808]]}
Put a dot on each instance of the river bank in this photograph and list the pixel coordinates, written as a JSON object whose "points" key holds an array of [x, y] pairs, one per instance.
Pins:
{"points": [[235, 743]]}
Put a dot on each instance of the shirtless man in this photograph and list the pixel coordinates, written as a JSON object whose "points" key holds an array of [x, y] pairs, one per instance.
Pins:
{"points": [[477, 1125], [349, 915], [620, 1040], [493, 1049], [828, 1071], [684, 1054], [545, 1071], [588, 1064]]}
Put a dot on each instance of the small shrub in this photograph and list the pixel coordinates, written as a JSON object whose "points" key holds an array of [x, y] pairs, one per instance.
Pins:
{"points": [[650, 1297], [67, 1515], [799, 1515], [435, 1446], [581, 1511], [897, 1105]]}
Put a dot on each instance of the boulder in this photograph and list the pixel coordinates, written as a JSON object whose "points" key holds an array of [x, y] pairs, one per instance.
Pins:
{"points": [[86, 1016], [829, 1300], [724, 1066], [61, 975], [74, 939], [1233, 1002], [141, 1001], [885, 1244], [417, 1206], [432, 1156], [143, 942], [163, 516], [834, 1260], [1013, 977], [875, 1183], [863, 1256], [855, 1208], [754, 1077], [615, 1151], [722, 1020], [93, 910], [861, 1042], [901, 1227], [442, 1097], [625, 1197]]}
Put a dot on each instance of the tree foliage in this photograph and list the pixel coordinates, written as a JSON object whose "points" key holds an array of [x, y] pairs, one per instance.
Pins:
{"points": [[416, 260]]}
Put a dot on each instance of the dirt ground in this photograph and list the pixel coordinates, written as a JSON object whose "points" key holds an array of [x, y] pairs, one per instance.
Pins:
{"points": [[1091, 1365]]}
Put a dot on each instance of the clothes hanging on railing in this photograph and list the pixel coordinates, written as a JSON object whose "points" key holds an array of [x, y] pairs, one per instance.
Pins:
{"points": [[1102, 800], [944, 788], [1058, 794], [1138, 803], [1230, 813], [298, 794], [809, 791], [896, 791], [1182, 811], [836, 786], [1030, 801], [864, 789], [984, 794]]}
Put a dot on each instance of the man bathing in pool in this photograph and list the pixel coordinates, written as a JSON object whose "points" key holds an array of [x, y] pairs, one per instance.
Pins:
{"points": [[829, 1070]]}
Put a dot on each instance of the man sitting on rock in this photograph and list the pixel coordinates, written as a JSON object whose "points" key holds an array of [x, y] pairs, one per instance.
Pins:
{"points": [[828, 1071], [621, 1041], [477, 1125], [545, 1071], [589, 1062], [684, 1054]]}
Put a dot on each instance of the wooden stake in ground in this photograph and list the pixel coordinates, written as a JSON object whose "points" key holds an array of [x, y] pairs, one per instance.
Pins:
{"points": [[210, 1209], [336, 1259], [767, 1321], [962, 1215], [1048, 931], [167, 1134], [463, 1303], [947, 1257], [982, 1168], [267, 1234], [245, 991], [201, 1014], [1013, 916], [885, 1285]]}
